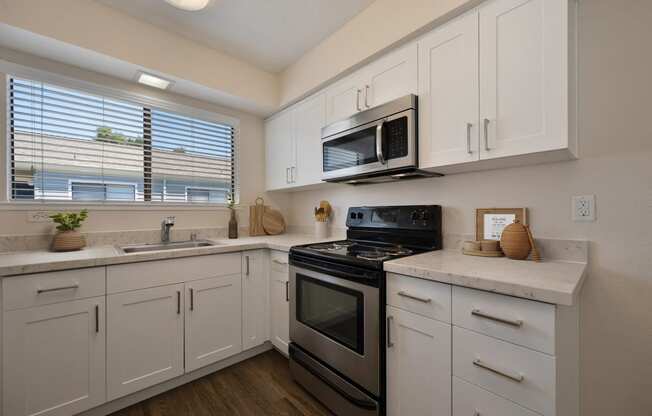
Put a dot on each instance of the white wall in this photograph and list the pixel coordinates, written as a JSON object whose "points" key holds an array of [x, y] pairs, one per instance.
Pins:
{"points": [[615, 164], [13, 219]]}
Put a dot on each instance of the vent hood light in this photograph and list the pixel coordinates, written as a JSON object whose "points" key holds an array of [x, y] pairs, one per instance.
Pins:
{"points": [[188, 5], [153, 81]]}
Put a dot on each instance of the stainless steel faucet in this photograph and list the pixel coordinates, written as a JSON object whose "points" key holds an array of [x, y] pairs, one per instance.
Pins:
{"points": [[168, 222]]}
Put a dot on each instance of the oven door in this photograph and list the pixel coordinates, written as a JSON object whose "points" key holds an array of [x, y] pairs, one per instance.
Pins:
{"points": [[337, 321], [385, 144]]}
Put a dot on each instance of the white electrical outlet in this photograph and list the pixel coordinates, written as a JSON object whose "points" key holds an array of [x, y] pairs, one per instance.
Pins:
{"points": [[583, 208], [38, 216]]}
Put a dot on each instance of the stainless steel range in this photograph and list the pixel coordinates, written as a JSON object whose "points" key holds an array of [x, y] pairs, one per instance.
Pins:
{"points": [[337, 299]]}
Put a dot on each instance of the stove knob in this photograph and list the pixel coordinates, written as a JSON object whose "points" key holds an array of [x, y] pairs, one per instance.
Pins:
{"points": [[360, 215], [353, 215], [415, 215]]}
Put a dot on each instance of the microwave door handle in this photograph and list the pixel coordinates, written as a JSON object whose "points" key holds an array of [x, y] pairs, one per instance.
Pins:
{"points": [[379, 143]]}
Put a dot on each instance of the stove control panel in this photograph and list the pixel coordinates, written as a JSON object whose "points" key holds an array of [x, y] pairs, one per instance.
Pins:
{"points": [[408, 217]]}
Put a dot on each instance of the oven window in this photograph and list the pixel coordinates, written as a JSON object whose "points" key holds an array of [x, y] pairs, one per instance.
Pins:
{"points": [[335, 311], [354, 149]]}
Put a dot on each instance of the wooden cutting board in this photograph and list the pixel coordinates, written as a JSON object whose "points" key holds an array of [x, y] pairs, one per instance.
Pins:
{"points": [[256, 212], [273, 221]]}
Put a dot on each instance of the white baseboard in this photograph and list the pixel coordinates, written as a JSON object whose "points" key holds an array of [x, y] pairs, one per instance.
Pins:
{"points": [[134, 398]]}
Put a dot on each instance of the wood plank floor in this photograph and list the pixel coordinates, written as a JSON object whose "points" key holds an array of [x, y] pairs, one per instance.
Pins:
{"points": [[259, 386]]}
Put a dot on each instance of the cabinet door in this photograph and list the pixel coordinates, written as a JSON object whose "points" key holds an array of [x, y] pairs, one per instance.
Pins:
{"points": [[449, 94], [54, 358], [255, 295], [309, 118], [418, 365], [344, 98], [145, 338], [523, 78], [391, 77], [213, 320], [279, 151], [280, 302]]}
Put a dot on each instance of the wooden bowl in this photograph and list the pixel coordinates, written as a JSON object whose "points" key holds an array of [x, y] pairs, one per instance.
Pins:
{"points": [[515, 241]]}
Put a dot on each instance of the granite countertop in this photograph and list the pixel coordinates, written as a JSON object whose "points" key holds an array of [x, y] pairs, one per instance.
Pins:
{"points": [[38, 261], [552, 281]]}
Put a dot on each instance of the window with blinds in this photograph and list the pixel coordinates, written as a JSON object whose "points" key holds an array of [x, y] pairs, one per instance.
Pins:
{"points": [[69, 145]]}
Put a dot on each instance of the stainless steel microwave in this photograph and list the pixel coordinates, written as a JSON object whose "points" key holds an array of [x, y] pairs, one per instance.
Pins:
{"points": [[375, 145]]}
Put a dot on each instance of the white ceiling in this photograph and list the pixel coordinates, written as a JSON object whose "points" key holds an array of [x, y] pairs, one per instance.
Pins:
{"points": [[270, 34]]}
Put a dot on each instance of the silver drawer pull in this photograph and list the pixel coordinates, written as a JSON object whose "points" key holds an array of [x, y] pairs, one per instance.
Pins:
{"points": [[513, 322], [284, 263], [390, 344], [515, 377], [418, 298], [56, 289]]}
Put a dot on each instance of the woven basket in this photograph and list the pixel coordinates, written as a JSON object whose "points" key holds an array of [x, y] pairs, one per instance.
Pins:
{"points": [[515, 241], [68, 241]]}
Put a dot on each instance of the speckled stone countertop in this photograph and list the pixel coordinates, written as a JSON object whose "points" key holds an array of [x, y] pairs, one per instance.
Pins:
{"points": [[37, 261], [551, 281]]}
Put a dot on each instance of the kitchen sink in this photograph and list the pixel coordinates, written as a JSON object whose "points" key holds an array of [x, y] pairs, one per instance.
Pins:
{"points": [[140, 248]]}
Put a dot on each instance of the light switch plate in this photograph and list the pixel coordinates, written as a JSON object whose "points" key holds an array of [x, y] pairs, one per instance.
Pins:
{"points": [[583, 208], [38, 216]]}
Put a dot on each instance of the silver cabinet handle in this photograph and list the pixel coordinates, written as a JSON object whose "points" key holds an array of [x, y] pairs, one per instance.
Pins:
{"points": [[246, 265], [178, 302], [287, 291], [469, 126], [513, 322], [366, 96], [515, 377], [390, 344], [379, 143], [284, 263], [287, 175], [357, 100], [486, 134], [414, 297], [192, 299], [292, 174], [97, 319], [56, 289]]}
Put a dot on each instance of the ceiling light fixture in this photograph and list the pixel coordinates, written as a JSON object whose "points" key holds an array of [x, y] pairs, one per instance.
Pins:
{"points": [[189, 5], [153, 80]]}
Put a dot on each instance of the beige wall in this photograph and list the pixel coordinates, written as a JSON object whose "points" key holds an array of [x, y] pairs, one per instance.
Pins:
{"points": [[380, 25], [615, 165], [13, 220], [91, 25]]}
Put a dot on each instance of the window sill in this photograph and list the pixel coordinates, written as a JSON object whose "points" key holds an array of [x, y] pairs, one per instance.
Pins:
{"points": [[110, 206]]}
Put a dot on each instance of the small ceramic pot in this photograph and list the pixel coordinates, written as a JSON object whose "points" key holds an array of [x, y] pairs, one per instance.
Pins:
{"points": [[321, 229], [68, 241]]}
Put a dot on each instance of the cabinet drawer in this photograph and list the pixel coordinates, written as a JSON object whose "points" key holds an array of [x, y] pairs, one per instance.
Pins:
{"points": [[279, 261], [519, 321], [125, 277], [423, 297], [521, 375], [470, 400], [53, 287]]}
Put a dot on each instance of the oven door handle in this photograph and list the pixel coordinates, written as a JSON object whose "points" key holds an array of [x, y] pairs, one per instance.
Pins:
{"points": [[379, 143], [361, 403]]}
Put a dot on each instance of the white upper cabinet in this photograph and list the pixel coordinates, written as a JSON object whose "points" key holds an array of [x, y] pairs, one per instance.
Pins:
{"points": [[449, 94], [309, 118], [279, 151], [523, 76], [392, 76], [54, 358], [213, 320], [255, 298]]}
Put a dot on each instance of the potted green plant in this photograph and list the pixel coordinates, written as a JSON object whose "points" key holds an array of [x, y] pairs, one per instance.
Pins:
{"points": [[68, 238]]}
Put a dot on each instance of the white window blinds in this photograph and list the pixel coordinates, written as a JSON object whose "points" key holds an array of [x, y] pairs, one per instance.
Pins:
{"points": [[71, 145]]}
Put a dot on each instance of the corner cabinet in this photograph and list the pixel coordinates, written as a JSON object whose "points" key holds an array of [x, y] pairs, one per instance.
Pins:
{"points": [[497, 87]]}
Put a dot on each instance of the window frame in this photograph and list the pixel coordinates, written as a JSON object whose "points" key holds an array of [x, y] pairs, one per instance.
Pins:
{"points": [[9, 70]]}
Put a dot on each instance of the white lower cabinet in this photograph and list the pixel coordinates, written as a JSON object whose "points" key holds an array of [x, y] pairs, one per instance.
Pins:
{"points": [[54, 358], [144, 338], [279, 301], [213, 320], [255, 298], [470, 400], [418, 365]]}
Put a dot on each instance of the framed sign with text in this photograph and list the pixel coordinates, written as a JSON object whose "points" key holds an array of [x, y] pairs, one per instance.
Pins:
{"points": [[490, 222]]}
